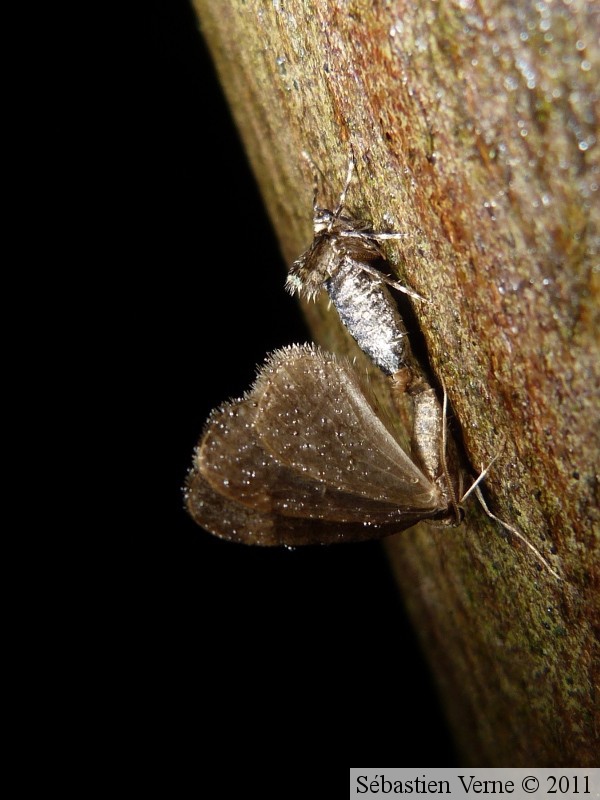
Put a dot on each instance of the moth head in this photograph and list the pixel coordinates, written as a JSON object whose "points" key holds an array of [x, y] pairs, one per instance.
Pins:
{"points": [[323, 220]]}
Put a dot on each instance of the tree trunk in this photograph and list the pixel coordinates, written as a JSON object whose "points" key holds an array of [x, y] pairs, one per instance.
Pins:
{"points": [[474, 129]]}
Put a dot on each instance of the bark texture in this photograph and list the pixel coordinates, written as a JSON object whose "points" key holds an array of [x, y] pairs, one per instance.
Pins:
{"points": [[474, 126]]}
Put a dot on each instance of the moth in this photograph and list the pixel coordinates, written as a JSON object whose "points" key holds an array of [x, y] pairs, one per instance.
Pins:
{"points": [[311, 455], [345, 258]]}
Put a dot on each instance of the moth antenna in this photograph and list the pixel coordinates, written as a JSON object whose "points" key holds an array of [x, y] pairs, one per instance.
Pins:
{"points": [[479, 478], [453, 501], [342, 200], [316, 173], [510, 528], [475, 488]]}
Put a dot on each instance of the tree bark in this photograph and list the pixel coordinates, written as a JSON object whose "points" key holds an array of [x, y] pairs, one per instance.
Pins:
{"points": [[474, 128]]}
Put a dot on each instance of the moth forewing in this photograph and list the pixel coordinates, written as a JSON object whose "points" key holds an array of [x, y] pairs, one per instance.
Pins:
{"points": [[305, 457], [327, 424], [231, 458], [223, 517]]}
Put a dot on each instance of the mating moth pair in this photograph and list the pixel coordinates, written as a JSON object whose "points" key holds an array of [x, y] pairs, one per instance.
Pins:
{"points": [[311, 454]]}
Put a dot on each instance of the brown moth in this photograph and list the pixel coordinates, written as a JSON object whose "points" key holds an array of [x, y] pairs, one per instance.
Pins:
{"points": [[311, 455]]}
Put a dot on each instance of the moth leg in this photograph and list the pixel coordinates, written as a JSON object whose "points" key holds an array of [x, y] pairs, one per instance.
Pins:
{"points": [[342, 201], [381, 236], [380, 276], [316, 172], [444, 454], [315, 190]]}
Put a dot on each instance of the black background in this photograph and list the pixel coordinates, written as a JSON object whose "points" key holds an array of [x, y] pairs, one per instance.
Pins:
{"points": [[313, 644]]}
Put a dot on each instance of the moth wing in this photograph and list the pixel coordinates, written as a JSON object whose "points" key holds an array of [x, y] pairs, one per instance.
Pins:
{"points": [[236, 522], [239, 490], [233, 463], [316, 417]]}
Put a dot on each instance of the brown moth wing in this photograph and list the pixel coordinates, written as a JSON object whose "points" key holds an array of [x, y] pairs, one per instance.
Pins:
{"points": [[223, 517], [318, 418], [230, 457], [234, 464], [240, 490]]}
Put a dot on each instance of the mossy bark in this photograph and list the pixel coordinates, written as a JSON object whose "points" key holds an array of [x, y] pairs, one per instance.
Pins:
{"points": [[474, 127]]}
